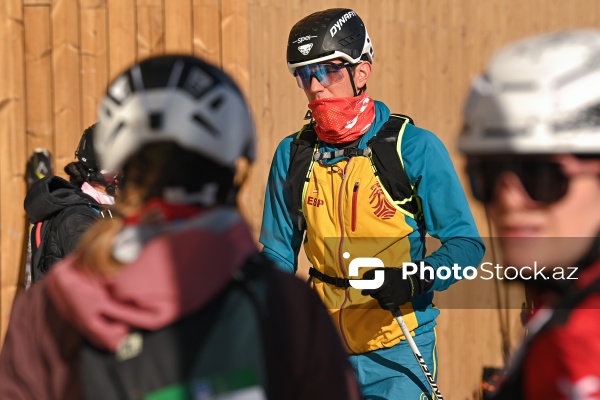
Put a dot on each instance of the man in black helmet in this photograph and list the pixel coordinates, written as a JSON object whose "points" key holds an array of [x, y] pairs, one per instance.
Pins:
{"points": [[62, 211], [362, 183]]}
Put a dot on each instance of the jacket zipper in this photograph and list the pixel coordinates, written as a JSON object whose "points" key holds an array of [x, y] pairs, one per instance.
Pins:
{"points": [[354, 204], [340, 255]]}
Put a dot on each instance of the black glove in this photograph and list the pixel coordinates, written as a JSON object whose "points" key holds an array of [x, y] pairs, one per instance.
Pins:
{"points": [[395, 290]]}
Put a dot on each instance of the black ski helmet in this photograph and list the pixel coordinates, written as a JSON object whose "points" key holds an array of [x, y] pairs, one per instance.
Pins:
{"points": [[326, 35], [85, 151]]}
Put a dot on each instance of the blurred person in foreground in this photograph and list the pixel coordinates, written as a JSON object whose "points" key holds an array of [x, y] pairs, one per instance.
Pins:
{"points": [[532, 140], [172, 299]]}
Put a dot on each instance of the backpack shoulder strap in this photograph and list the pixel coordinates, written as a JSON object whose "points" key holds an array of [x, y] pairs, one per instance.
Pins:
{"points": [[386, 158], [302, 152]]}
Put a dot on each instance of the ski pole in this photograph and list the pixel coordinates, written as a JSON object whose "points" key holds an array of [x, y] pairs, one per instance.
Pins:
{"points": [[413, 346]]}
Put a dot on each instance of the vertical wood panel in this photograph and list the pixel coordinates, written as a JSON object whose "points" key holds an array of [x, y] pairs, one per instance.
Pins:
{"points": [[178, 24], [38, 78], [67, 81], [93, 56], [150, 28], [236, 61], [121, 36], [207, 30], [12, 153], [235, 41]]}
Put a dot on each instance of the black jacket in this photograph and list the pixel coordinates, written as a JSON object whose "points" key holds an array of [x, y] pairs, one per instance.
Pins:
{"points": [[65, 212]]}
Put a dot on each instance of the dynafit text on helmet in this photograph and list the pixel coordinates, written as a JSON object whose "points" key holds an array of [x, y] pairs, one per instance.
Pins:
{"points": [[361, 186], [532, 141], [172, 297]]}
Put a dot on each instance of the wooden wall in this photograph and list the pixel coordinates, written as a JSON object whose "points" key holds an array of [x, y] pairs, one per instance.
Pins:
{"points": [[59, 55]]}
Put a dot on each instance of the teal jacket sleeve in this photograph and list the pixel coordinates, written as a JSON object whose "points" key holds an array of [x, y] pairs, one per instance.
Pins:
{"points": [[280, 238], [447, 213]]}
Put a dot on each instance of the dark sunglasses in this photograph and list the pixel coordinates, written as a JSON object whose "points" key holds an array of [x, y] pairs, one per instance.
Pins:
{"points": [[326, 73], [543, 179]]}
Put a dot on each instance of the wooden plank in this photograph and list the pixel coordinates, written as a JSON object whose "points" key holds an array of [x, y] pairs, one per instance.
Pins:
{"points": [[13, 154], [235, 45], [38, 73], [178, 24], [67, 81], [122, 47], [91, 4], [271, 95], [150, 28], [207, 30], [27, 3], [235, 41], [150, 3], [94, 58]]}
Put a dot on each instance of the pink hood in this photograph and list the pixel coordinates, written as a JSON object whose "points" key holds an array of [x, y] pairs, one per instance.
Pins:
{"points": [[175, 274]]}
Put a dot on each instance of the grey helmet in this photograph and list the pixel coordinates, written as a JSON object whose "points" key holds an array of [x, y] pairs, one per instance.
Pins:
{"points": [[540, 95], [327, 35]]}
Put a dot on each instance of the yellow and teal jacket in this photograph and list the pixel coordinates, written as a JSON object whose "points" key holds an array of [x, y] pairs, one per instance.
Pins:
{"points": [[349, 215]]}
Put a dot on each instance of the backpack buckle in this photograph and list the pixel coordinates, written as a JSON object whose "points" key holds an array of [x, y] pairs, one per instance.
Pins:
{"points": [[355, 151]]}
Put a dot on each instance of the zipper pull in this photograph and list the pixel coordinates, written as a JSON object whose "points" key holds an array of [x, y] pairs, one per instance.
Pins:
{"points": [[356, 187]]}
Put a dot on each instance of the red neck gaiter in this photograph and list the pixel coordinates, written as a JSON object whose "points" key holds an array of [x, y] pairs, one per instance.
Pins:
{"points": [[342, 120]]}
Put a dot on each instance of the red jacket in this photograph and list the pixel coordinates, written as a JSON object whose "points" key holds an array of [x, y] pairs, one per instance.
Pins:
{"points": [[561, 357]]}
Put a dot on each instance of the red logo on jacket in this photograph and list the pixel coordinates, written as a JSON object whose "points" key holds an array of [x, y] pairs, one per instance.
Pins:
{"points": [[380, 204], [313, 201]]}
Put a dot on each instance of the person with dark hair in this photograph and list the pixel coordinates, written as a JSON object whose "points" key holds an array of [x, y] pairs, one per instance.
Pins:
{"points": [[532, 142], [358, 183], [60, 211], [172, 299]]}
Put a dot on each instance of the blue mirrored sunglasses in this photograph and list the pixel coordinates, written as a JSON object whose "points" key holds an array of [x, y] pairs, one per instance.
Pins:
{"points": [[326, 73]]}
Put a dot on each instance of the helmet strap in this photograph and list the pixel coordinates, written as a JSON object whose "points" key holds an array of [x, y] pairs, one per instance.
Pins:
{"points": [[351, 76]]}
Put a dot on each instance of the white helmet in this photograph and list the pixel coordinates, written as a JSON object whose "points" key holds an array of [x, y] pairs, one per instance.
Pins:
{"points": [[540, 95], [174, 98]]}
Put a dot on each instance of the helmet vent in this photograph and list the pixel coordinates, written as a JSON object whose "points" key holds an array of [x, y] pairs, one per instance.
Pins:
{"points": [[588, 118], [114, 134], [216, 103], [156, 120], [206, 125], [501, 132], [350, 39]]}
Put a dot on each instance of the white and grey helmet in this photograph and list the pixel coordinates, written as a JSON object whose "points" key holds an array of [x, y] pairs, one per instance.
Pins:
{"points": [[540, 95], [175, 98]]}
